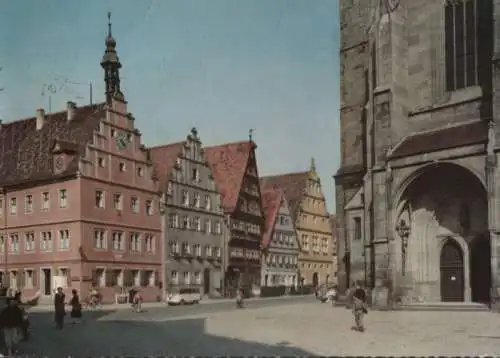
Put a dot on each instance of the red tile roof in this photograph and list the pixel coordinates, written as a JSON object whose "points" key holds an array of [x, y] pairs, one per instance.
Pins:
{"points": [[26, 153], [164, 157], [293, 186], [271, 202], [444, 138], [228, 163]]}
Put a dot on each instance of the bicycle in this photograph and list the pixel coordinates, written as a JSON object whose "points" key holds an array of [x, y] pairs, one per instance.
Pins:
{"points": [[93, 302]]}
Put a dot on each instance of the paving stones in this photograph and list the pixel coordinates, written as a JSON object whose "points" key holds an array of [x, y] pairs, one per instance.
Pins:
{"points": [[293, 329]]}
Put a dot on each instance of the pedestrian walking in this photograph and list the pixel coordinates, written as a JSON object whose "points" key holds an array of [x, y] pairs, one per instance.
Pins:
{"points": [[239, 298], [76, 308], [24, 329], [137, 303], [11, 320], [59, 308], [359, 307]]}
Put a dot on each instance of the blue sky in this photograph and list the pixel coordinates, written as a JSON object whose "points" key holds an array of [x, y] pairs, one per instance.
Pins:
{"points": [[224, 66]]}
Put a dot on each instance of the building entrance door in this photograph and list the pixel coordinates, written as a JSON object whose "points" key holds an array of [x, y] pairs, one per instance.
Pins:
{"points": [[315, 279], [452, 272], [47, 282], [206, 281]]}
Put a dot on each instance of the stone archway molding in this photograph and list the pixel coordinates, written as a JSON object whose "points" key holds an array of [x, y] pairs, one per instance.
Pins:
{"points": [[401, 205], [412, 177]]}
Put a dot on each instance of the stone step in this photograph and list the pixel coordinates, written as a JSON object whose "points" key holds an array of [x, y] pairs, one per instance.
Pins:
{"points": [[432, 306], [445, 306]]}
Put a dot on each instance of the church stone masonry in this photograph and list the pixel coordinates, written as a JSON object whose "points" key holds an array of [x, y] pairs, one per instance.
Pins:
{"points": [[417, 190]]}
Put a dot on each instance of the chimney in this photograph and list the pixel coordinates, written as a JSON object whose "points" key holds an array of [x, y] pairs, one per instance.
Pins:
{"points": [[40, 118], [70, 109]]}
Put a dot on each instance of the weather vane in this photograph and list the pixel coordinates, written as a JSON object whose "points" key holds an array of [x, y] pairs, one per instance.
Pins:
{"points": [[109, 23], [250, 134]]}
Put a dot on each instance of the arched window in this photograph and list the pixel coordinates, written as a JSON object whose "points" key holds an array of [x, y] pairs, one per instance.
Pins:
{"points": [[467, 29]]}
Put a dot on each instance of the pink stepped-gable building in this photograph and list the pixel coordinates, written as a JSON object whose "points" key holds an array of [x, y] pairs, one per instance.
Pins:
{"points": [[79, 199]]}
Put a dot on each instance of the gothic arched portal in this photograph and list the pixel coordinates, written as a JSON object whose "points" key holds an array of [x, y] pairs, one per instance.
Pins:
{"points": [[446, 208]]}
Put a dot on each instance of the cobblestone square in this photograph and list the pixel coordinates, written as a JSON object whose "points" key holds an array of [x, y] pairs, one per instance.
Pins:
{"points": [[294, 329]]}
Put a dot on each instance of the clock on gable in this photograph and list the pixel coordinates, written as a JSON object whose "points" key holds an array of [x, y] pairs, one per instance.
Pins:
{"points": [[121, 140], [59, 162]]}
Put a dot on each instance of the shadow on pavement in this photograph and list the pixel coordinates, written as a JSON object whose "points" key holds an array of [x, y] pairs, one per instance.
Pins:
{"points": [[141, 338]]}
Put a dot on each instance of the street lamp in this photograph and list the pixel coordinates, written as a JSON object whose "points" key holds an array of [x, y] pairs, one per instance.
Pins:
{"points": [[403, 230]]}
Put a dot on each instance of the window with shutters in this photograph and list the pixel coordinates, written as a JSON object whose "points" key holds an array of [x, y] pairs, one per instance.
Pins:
{"points": [[13, 206], [14, 243], [135, 242], [46, 241], [149, 242], [29, 241], [100, 239], [173, 221], [28, 204]]}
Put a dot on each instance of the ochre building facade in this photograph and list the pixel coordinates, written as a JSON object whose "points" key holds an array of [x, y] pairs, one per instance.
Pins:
{"points": [[312, 223]]}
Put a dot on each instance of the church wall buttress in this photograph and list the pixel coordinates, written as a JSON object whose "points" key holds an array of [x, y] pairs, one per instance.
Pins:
{"points": [[493, 175], [380, 215]]}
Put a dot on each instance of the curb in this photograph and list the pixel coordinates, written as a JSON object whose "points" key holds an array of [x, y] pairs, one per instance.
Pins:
{"points": [[146, 305]]}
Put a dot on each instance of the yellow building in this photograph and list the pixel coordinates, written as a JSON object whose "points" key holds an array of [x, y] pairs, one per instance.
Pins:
{"points": [[317, 258]]}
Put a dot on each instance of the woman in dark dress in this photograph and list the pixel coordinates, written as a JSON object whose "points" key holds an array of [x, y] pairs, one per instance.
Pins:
{"points": [[59, 309], [76, 307]]}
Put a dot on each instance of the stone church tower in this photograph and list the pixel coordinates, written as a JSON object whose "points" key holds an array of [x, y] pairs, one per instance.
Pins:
{"points": [[418, 190]]}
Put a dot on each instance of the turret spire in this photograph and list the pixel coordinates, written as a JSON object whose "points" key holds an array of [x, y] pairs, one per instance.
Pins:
{"points": [[111, 65], [109, 24], [313, 164]]}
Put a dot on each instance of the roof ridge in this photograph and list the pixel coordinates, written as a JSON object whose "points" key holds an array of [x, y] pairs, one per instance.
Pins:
{"points": [[271, 214], [160, 146], [285, 174], [50, 114], [227, 144]]}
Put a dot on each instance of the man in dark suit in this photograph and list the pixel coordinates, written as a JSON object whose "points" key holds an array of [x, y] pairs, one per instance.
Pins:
{"points": [[359, 307]]}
